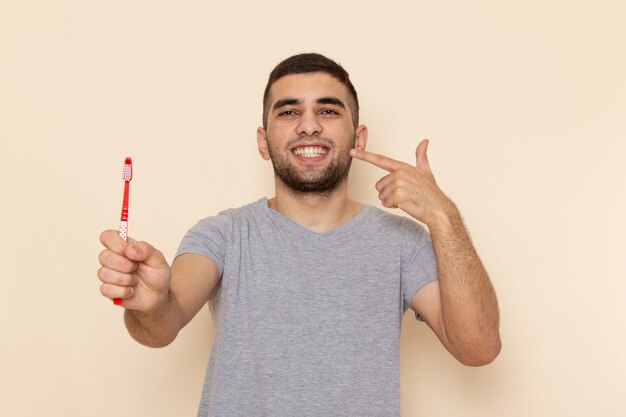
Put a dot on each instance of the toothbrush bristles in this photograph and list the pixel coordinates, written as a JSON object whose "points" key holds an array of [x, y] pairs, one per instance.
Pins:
{"points": [[127, 172]]}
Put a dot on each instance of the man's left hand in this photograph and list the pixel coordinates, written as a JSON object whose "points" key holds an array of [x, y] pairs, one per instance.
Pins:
{"points": [[412, 189]]}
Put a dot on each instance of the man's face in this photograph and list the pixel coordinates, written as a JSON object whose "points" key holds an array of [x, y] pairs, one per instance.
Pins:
{"points": [[309, 132]]}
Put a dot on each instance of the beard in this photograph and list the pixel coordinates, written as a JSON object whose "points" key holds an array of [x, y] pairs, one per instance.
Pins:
{"points": [[310, 180]]}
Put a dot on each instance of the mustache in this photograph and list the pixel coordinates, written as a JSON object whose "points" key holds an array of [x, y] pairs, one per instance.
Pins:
{"points": [[309, 138]]}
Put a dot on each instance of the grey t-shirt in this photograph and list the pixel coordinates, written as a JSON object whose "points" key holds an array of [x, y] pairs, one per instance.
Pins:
{"points": [[306, 323]]}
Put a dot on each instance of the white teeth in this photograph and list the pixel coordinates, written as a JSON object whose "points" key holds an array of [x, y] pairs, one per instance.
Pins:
{"points": [[310, 151]]}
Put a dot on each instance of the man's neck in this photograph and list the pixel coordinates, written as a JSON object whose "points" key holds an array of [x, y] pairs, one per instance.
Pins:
{"points": [[316, 212]]}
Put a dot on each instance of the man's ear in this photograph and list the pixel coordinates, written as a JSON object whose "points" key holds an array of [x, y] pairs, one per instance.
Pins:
{"points": [[361, 137], [261, 140]]}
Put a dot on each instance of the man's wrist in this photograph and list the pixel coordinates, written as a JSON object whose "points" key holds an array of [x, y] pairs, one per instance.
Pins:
{"points": [[161, 305], [446, 218], [158, 326]]}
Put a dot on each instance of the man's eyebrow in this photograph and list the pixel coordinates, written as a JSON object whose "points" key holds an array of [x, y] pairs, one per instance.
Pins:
{"points": [[322, 100], [286, 102], [331, 100]]}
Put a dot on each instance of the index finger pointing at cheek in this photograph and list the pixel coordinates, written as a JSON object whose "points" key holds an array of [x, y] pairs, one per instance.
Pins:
{"points": [[380, 161]]}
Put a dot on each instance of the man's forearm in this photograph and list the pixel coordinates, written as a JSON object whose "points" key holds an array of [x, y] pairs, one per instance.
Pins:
{"points": [[156, 328], [469, 304]]}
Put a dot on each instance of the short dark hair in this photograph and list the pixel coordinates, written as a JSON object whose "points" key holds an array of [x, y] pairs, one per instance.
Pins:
{"points": [[307, 63]]}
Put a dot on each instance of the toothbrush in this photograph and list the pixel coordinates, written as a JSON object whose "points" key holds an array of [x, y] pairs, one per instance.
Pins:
{"points": [[127, 175]]}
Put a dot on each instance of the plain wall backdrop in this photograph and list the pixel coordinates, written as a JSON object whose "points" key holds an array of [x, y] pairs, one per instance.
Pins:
{"points": [[524, 103]]}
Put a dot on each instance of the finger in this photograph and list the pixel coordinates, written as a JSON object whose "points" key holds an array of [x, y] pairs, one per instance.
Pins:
{"points": [[387, 200], [393, 198], [115, 291], [381, 161], [391, 189], [112, 260], [147, 254], [383, 182], [421, 155], [400, 177], [110, 276], [112, 240]]}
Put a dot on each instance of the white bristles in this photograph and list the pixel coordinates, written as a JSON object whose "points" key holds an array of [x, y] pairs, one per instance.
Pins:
{"points": [[127, 172]]}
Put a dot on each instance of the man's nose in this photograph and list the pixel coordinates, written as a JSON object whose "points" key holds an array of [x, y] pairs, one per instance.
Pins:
{"points": [[309, 125]]}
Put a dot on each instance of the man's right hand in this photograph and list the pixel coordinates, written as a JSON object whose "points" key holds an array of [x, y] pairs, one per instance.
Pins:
{"points": [[135, 272]]}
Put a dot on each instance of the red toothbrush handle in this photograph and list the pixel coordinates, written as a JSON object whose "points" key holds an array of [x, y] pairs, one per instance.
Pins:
{"points": [[125, 201], [123, 225]]}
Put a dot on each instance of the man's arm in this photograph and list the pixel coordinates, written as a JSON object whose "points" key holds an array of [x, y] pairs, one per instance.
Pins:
{"points": [[159, 300], [461, 306]]}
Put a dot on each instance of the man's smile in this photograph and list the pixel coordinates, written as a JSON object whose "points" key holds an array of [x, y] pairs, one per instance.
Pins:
{"points": [[310, 152]]}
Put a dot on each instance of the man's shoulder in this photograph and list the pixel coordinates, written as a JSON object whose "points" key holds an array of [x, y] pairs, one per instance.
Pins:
{"points": [[391, 221], [384, 216], [253, 208], [231, 216]]}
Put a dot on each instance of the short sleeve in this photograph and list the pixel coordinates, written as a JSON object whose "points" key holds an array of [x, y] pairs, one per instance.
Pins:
{"points": [[419, 266], [209, 237]]}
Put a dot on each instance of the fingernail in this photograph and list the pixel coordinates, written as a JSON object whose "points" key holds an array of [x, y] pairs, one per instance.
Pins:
{"points": [[353, 152], [117, 301]]}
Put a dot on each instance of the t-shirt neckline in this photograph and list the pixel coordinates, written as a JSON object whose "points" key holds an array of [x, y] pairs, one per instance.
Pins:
{"points": [[291, 225]]}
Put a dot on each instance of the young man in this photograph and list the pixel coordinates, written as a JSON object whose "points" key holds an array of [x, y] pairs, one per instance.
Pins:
{"points": [[307, 289]]}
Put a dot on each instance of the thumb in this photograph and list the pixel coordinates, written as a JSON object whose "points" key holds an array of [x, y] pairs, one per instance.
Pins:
{"points": [[421, 156], [145, 253]]}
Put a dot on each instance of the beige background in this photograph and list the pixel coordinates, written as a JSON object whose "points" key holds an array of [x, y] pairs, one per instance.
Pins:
{"points": [[524, 103]]}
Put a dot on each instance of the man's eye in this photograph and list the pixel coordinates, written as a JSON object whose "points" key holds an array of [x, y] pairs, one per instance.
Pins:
{"points": [[287, 113], [329, 111]]}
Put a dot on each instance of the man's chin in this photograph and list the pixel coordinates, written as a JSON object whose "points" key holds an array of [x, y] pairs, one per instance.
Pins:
{"points": [[324, 186], [312, 179]]}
